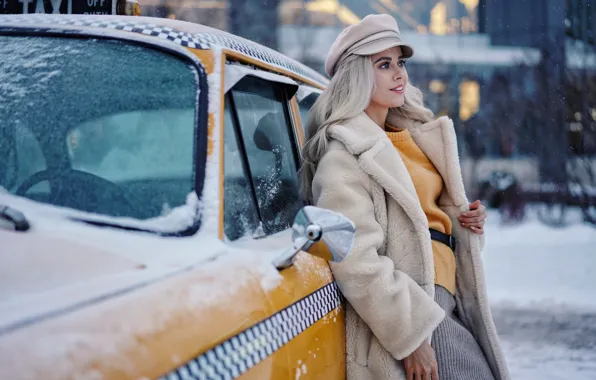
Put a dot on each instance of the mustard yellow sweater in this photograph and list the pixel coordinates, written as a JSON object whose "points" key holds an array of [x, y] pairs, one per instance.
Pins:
{"points": [[429, 185]]}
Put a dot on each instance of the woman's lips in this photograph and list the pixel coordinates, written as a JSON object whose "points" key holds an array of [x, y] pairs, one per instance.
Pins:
{"points": [[398, 89]]}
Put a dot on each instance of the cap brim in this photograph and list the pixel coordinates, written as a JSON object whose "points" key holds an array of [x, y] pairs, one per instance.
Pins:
{"points": [[379, 46]]}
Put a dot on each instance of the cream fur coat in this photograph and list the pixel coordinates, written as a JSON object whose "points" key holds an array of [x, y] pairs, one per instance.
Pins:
{"points": [[388, 279]]}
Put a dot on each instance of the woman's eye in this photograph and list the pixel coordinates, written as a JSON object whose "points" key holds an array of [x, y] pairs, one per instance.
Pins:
{"points": [[384, 65], [401, 63]]}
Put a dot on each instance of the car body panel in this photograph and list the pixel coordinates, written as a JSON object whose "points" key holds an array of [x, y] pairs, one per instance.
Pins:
{"points": [[144, 332]]}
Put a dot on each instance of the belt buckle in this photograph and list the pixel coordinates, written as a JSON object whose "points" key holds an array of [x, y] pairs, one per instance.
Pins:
{"points": [[452, 243]]}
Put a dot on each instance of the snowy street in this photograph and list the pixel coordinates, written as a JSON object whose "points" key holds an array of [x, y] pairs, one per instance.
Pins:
{"points": [[548, 344], [543, 296]]}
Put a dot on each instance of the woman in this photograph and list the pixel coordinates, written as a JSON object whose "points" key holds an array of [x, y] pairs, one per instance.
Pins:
{"points": [[375, 154]]}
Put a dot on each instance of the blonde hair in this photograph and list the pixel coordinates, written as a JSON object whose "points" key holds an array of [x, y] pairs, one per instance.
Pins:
{"points": [[348, 94]]}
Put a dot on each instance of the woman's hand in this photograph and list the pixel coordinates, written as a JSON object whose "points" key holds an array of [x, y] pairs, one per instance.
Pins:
{"points": [[475, 218], [422, 363]]}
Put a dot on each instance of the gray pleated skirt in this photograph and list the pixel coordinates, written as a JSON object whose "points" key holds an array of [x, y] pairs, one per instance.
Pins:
{"points": [[458, 354]]}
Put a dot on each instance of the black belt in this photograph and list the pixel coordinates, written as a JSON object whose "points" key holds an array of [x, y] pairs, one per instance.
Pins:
{"points": [[448, 240]]}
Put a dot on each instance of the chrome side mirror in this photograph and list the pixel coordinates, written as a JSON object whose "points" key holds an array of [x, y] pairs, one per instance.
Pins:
{"points": [[312, 224]]}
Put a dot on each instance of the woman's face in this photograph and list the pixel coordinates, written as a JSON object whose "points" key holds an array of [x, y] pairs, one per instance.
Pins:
{"points": [[391, 78]]}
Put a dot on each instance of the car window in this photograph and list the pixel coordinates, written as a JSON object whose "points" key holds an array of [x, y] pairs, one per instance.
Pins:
{"points": [[110, 126], [240, 214], [305, 105], [147, 153], [128, 146], [265, 128]]}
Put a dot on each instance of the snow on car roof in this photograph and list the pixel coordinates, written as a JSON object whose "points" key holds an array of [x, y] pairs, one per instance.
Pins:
{"points": [[179, 32]]}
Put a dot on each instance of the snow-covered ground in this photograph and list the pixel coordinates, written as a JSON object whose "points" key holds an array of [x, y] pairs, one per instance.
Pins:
{"points": [[543, 293]]}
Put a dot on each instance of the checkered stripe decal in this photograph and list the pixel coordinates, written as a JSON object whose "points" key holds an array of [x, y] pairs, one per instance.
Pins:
{"points": [[238, 354], [204, 40], [180, 38], [259, 52]]}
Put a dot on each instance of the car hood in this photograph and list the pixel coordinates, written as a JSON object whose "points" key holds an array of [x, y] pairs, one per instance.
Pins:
{"points": [[61, 262], [36, 262]]}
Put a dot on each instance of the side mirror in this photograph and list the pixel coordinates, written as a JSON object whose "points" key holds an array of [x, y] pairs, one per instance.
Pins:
{"points": [[313, 224]]}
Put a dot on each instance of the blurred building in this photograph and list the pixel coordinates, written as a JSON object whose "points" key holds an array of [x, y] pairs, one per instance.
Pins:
{"points": [[564, 33], [256, 20], [207, 12], [438, 17]]}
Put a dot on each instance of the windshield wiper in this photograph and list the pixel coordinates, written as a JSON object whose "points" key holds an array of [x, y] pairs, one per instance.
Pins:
{"points": [[16, 218], [101, 223]]}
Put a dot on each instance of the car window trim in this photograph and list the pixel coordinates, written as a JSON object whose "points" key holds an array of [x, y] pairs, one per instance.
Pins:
{"points": [[235, 72], [292, 126]]}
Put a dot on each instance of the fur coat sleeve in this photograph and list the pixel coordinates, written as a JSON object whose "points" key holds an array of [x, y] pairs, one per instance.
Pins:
{"points": [[397, 310]]}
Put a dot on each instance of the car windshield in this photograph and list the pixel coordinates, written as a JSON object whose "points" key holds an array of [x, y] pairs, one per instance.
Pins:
{"points": [[100, 126]]}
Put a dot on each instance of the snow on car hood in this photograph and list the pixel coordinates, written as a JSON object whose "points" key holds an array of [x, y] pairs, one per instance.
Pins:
{"points": [[59, 262]]}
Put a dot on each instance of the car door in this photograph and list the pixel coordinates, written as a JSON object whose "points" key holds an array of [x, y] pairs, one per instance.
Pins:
{"points": [[261, 198]]}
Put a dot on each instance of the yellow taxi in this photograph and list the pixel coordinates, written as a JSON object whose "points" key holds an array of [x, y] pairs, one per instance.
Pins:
{"points": [[151, 225]]}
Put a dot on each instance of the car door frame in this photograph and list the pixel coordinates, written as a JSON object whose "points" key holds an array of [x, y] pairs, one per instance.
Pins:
{"points": [[305, 343]]}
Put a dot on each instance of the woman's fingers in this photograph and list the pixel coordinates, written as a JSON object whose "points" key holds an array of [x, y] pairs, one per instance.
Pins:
{"points": [[474, 213], [476, 224], [475, 217], [409, 367], [474, 205], [477, 230], [415, 371], [435, 373], [473, 220]]}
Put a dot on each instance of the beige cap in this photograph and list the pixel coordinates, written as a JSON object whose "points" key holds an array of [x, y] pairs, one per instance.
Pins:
{"points": [[372, 35]]}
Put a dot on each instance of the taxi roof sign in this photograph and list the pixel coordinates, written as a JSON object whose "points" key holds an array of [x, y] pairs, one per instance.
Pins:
{"points": [[86, 7]]}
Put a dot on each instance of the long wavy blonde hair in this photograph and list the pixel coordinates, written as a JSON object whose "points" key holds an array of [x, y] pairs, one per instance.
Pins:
{"points": [[348, 94]]}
